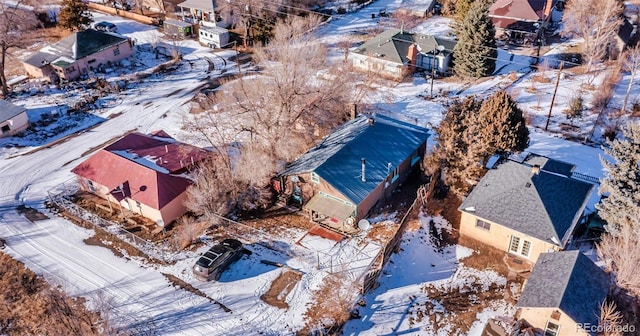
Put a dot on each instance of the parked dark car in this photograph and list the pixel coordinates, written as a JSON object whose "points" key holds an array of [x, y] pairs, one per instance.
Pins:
{"points": [[105, 26], [213, 262]]}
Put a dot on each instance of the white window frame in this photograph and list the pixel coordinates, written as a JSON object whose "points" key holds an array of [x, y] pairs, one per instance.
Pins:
{"points": [[520, 246], [551, 332], [315, 178]]}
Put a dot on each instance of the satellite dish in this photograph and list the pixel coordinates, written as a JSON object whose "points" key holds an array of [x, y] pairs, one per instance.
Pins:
{"points": [[350, 220], [364, 225]]}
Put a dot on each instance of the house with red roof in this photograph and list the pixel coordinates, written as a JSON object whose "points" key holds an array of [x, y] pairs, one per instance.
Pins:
{"points": [[520, 18], [147, 174]]}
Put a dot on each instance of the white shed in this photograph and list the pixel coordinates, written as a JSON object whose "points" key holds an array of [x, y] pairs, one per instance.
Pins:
{"points": [[213, 37]]}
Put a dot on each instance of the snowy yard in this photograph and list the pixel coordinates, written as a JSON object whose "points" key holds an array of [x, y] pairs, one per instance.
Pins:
{"points": [[425, 290], [416, 286]]}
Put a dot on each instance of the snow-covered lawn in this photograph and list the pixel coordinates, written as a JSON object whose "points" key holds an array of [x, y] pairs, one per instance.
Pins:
{"points": [[412, 296], [141, 297]]}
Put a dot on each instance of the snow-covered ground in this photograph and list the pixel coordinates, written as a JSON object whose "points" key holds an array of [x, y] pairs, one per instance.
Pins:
{"points": [[141, 297], [392, 308]]}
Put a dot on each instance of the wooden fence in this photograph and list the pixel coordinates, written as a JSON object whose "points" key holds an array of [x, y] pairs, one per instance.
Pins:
{"points": [[125, 14]]}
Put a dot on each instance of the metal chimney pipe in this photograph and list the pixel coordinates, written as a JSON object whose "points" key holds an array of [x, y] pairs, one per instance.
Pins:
{"points": [[364, 164]]}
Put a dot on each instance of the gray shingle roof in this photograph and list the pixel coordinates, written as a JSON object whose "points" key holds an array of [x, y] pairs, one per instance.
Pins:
{"points": [[393, 45], [337, 159], [567, 280], [8, 110], [550, 165], [544, 205], [76, 46]]}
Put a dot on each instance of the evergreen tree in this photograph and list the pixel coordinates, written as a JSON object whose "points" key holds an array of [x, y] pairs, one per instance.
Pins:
{"points": [[475, 53], [470, 133], [463, 6], [622, 183], [74, 15], [451, 148], [502, 125]]}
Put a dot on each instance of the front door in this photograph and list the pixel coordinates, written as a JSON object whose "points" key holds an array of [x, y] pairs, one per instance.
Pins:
{"points": [[520, 246]]}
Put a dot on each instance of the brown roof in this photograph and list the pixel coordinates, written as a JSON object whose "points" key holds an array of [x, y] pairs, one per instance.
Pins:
{"points": [[509, 11], [144, 166]]}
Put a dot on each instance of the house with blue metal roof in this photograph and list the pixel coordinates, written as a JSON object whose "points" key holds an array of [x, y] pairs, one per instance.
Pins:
{"points": [[563, 295], [525, 206], [340, 179]]}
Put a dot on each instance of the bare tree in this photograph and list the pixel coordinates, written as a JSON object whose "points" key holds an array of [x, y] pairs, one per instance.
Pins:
{"points": [[596, 22], [610, 319], [274, 117], [632, 64], [622, 254], [15, 24]]}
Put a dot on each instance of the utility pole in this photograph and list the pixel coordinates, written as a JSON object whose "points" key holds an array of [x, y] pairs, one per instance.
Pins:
{"points": [[235, 45], [433, 71], [554, 95]]}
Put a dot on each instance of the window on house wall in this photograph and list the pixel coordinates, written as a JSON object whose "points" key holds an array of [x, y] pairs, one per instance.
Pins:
{"points": [[395, 175], [556, 315], [91, 186], [315, 178], [483, 225], [526, 248], [515, 244], [116, 51], [520, 246], [139, 206], [5, 128], [552, 329]]}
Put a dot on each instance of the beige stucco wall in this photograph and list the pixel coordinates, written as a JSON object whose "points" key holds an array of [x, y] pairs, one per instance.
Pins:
{"points": [[499, 237], [538, 318], [102, 57], [82, 65], [16, 124], [377, 66]]}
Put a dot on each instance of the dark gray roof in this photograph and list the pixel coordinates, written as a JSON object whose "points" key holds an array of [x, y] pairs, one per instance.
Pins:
{"points": [[393, 45], [550, 165], [569, 281], [76, 46], [337, 159], [8, 110], [544, 205]]}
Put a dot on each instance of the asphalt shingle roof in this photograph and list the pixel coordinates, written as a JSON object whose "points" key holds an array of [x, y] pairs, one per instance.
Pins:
{"points": [[8, 110], [337, 159], [393, 45], [569, 281], [76, 46], [544, 205]]}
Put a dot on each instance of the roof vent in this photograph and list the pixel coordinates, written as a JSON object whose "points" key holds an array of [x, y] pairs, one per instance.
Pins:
{"points": [[527, 185], [470, 209], [535, 170]]}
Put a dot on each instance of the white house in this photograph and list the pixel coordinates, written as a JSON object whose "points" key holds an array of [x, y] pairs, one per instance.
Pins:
{"points": [[13, 119]]}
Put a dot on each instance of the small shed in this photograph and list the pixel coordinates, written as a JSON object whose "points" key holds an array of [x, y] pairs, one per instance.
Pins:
{"points": [[13, 119], [177, 28], [213, 37]]}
